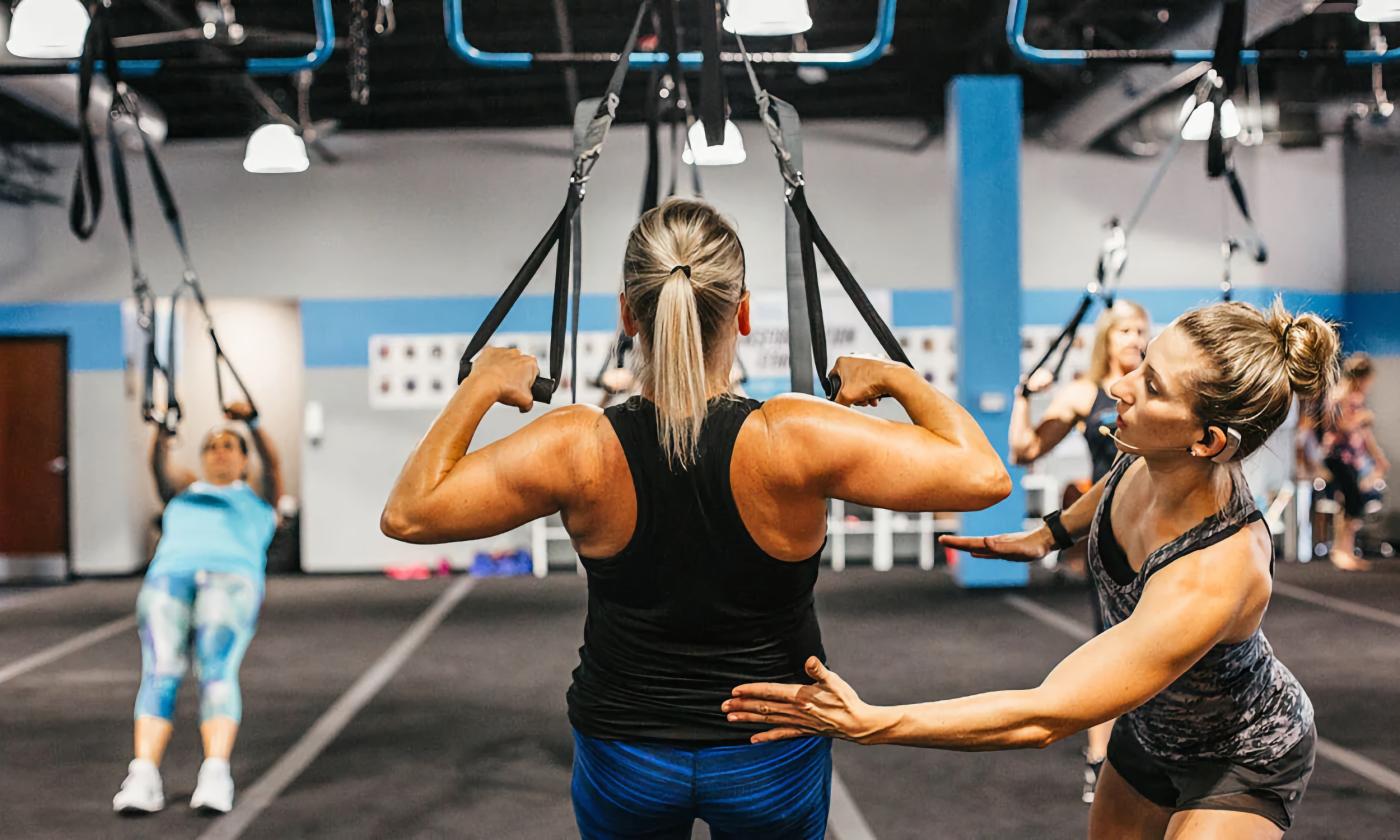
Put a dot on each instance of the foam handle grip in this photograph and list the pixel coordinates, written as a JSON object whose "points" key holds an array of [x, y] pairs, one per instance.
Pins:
{"points": [[835, 380], [543, 389]]}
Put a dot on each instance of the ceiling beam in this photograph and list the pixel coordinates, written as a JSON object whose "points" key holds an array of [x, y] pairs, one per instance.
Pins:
{"points": [[1122, 93]]}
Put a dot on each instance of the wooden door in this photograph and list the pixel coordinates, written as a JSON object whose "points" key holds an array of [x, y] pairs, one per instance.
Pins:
{"points": [[33, 457]]}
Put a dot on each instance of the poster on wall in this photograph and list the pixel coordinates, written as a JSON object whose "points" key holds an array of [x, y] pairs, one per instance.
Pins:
{"points": [[419, 371], [764, 352]]}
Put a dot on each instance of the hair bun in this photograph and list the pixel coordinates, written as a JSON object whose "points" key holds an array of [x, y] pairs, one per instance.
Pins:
{"points": [[1310, 351]]}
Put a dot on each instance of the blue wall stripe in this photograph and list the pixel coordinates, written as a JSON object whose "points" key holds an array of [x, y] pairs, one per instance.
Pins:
{"points": [[337, 331], [94, 329], [1373, 322]]}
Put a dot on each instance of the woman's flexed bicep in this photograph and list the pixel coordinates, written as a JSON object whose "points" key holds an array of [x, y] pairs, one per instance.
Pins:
{"points": [[836, 452], [527, 475]]}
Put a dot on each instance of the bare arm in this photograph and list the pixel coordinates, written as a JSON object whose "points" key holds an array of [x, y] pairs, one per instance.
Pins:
{"points": [[1029, 546], [941, 461], [446, 493], [170, 481], [1029, 443], [1377, 454], [1185, 610], [271, 489]]}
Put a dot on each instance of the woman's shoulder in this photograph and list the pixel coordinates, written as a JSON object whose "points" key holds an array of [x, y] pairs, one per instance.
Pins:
{"points": [[1236, 567], [1080, 394]]}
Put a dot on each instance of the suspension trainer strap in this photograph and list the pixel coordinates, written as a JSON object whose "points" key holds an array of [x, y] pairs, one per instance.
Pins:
{"points": [[1229, 40], [651, 183], [189, 285], [86, 206], [712, 99], [805, 238], [592, 119], [682, 108], [1220, 161]]}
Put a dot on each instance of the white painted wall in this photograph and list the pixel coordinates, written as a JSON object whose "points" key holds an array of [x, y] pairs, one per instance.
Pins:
{"points": [[348, 474], [262, 337], [455, 212], [107, 503]]}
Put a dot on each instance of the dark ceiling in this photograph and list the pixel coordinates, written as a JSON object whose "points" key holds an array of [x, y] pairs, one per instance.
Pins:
{"points": [[416, 81]]}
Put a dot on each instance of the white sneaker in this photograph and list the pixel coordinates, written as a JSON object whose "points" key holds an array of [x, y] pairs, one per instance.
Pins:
{"points": [[214, 791], [142, 791]]}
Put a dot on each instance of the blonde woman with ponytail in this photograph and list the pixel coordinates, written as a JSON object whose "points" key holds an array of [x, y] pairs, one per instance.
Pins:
{"points": [[700, 518], [1214, 737]]}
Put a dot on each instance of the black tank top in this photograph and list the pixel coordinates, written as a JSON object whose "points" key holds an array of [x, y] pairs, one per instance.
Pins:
{"points": [[692, 606], [1102, 450]]}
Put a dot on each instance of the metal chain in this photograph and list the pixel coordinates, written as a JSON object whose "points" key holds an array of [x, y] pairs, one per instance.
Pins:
{"points": [[359, 52]]}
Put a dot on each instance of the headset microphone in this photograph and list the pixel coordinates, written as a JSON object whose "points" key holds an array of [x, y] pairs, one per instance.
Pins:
{"points": [[1232, 445]]}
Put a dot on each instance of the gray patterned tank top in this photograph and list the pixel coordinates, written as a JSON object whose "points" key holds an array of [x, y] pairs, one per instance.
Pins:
{"points": [[1238, 702]]}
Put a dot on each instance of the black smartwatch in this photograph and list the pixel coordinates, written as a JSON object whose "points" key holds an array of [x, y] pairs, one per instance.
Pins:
{"points": [[1057, 529]]}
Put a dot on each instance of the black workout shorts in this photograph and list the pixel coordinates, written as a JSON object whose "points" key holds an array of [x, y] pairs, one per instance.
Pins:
{"points": [[1272, 791]]}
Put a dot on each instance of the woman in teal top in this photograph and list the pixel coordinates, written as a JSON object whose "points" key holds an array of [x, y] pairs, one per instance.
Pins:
{"points": [[206, 577]]}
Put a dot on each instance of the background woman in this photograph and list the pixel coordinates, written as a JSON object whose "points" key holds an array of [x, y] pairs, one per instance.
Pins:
{"points": [[1083, 403], [201, 596]]}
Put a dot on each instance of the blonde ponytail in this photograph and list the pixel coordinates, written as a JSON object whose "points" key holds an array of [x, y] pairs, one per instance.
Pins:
{"points": [[677, 367], [683, 278]]}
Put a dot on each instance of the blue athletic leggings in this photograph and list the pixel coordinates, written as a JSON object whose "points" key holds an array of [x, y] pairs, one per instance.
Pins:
{"points": [[222, 611], [778, 790]]}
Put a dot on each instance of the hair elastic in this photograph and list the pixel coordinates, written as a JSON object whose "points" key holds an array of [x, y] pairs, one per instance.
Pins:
{"points": [[681, 267]]}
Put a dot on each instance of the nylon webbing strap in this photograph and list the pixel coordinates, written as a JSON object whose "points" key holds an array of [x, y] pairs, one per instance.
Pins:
{"points": [[189, 285], [712, 100], [681, 105], [86, 207], [1229, 40], [1219, 155], [592, 119], [807, 330], [86, 204], [801, 332], [1113, 256], [651, 182]]}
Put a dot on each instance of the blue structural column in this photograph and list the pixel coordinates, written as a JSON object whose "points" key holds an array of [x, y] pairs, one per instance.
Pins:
{"points": [[984, 150]]}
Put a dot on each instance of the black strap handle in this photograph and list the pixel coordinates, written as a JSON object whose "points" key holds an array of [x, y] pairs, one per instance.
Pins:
{"points": [[86, 207], [592, 119], [783, 128], [712, 104], [543, 388], [189, 285]]}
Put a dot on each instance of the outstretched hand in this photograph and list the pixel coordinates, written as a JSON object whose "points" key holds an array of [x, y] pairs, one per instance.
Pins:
{"points": [[828, 707], [1022, 547]]}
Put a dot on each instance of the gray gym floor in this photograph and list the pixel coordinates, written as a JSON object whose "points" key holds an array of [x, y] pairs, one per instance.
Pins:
{"points": [[465, 734]]}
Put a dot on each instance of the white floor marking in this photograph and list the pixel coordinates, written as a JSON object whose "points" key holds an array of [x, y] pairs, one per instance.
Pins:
{"points": [[62, 649], [1341, 605], [265, 790]]}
